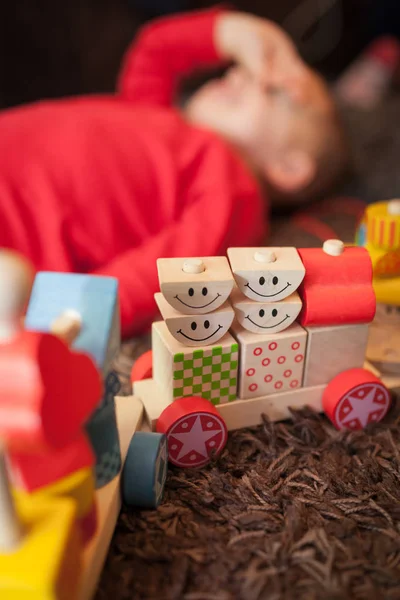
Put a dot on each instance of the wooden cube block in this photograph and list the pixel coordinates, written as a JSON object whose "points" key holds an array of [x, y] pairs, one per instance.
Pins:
{"points": [[48, 562], [94, 298], [263, 317], [195, 286], [195, 330], [266, 274], [331, 350], [210, 372], [270, 363]]}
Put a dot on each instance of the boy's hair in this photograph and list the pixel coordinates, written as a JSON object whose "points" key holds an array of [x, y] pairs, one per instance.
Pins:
{"points": [[332, 154]]}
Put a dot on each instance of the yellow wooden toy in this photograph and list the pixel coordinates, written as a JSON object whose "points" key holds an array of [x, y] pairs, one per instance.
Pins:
{"points": [[379, 233], [40, 550]]}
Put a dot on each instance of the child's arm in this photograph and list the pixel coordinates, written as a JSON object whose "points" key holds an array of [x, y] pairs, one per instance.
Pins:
{"points": [[217, 216], [164, 52]]}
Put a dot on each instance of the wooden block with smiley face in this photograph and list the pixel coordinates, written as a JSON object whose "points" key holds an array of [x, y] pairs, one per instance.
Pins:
{"points": [[195, 286], [266, 274], [196, 330], [265, 317]]}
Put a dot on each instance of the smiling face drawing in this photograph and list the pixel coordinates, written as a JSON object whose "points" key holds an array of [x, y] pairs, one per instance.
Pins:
{"points": [[266, 275], [195, 293], [263, 317], [196, 330]]}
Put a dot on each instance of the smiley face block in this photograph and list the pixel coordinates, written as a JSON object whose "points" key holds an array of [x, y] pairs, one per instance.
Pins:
{"points": [[210, 372], [265, 317], [270, 363], [191, 292], [266, 274], [196, 330]]}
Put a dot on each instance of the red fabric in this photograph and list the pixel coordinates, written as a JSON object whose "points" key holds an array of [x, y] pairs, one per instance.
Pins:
{"points": [[108, 184]]}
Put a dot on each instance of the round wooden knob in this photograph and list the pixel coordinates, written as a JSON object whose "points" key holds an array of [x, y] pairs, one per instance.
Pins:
{"points": [[333, 247], [193, 266]]}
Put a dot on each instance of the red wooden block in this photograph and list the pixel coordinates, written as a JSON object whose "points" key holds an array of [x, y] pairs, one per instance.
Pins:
{"points": [[32, 471], [47, 392], [337, 290], [355, 398], [195, 431], [143, 367]]}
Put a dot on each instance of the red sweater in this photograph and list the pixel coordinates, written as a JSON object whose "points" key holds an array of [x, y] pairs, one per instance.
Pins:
{"points": [[108, 184]]}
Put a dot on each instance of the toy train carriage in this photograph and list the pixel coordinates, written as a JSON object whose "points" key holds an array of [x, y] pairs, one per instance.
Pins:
{"points": [[55, 527], [272, 328]]}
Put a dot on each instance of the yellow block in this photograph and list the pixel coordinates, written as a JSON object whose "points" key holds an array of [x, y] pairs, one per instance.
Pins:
{"points": [[79, 486], [383, 228], [47, 563], [387, 291], [385, 263]]}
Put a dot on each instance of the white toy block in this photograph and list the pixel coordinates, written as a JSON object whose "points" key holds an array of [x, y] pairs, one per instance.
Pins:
{"points": [[248, 413], [333, 349], [266, 274], [195, 330], [153, 398], [195, 286], [210, 372], [270, 363], [265, 317]]}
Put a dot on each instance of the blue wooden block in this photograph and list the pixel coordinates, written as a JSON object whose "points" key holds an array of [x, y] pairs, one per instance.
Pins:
{"points": [[145, 470], [103, 435], [95, 298]]}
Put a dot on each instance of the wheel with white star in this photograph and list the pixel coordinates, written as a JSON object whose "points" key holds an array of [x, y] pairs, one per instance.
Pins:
{"points": [[195, 430], [355, 398], [145, 470]]}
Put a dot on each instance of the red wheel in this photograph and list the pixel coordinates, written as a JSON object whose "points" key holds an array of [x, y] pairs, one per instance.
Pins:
{"points": [[143, 367], [195, 431], [355, 398]]}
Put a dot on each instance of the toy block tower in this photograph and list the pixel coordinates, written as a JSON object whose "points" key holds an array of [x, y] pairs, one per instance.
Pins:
{"points": [[338, 304], [95, 300], [266, 305], [193, 352]]}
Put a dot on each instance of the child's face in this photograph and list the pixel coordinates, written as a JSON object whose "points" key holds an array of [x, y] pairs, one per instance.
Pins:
{"points": [[259, 120]]}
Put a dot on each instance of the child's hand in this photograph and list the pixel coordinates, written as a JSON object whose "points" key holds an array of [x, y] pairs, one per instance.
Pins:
{"points": [[262, 48]]}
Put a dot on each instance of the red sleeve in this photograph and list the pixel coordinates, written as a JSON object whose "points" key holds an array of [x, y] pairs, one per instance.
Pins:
{"points": [[222, 212], [164, 52]]}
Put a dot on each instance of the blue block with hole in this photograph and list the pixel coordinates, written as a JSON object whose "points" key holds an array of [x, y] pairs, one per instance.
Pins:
{"points": [[94, 297]]}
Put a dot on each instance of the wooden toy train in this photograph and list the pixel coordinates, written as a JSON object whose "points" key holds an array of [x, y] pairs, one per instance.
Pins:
{"points": [[271, 329]]}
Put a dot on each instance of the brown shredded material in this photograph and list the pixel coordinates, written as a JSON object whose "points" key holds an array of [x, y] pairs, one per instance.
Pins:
{"points": [[292, 510]]}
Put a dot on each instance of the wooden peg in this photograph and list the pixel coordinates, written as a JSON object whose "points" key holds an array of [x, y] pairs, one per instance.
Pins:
{"points": [[67, 326], [10, 527]]}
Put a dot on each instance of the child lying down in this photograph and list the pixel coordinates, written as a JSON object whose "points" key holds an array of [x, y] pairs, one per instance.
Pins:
{"points": [[107, 184]]}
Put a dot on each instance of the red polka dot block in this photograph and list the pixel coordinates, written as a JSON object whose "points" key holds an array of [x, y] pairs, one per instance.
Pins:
{"points": [[270, 363]]}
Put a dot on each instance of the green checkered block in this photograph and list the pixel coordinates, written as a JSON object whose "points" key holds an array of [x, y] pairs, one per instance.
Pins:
{"points": [[210, 372]]}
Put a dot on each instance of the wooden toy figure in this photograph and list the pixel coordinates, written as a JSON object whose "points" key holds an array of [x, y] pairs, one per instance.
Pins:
{"points": [[47, 393]]}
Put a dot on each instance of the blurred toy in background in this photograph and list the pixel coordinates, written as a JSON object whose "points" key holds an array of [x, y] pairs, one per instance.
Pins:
{"points": [[365, 83], [56, 387], [379, 233]]}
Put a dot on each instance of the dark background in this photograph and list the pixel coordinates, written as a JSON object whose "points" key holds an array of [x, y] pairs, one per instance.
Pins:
{"points": [[51, 48]]}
